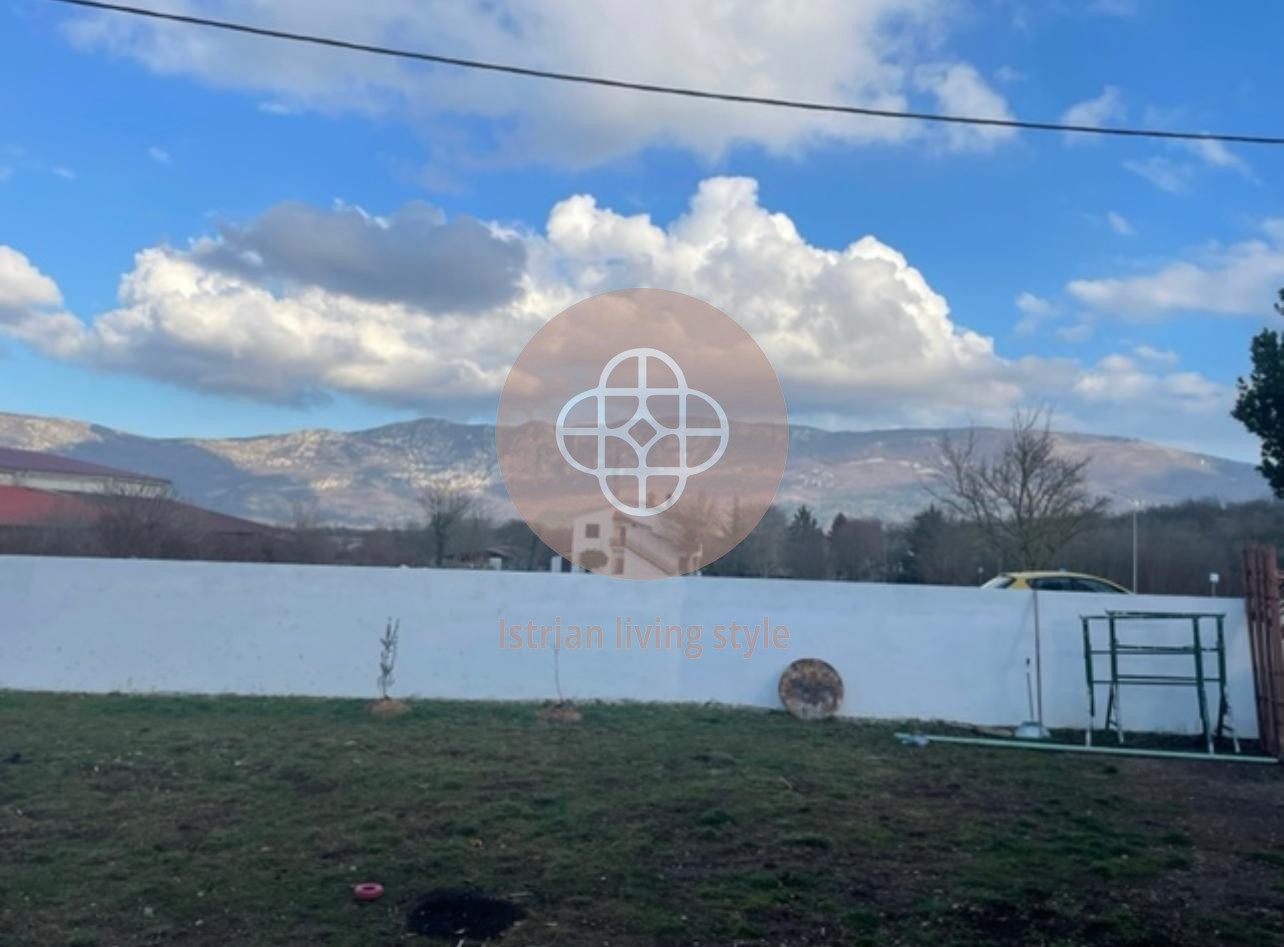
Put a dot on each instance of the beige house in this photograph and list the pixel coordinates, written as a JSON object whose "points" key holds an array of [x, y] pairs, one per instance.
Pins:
{"points": [[633, 547]]}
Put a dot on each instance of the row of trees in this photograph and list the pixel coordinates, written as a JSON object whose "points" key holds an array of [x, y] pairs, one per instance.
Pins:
{"points": [[1179, 545]]}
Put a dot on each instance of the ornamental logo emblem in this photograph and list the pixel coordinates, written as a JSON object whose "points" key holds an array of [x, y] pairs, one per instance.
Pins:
{"points": [[642, 431], [641, 434]]}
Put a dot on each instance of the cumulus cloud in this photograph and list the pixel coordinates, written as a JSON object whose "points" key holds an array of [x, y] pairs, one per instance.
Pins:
{"points": [[852, 323], [1240, 279], [159, 155], [22, 286], [857, 334], [1106, 108], [31, 307], [862, 53], [413, 256]]}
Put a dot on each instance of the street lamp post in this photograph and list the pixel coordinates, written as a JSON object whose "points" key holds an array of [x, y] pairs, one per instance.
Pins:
{"points": [[1136, 507]]}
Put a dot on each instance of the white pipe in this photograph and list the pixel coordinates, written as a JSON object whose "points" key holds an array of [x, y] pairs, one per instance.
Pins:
{"points": [[1075, 748]]}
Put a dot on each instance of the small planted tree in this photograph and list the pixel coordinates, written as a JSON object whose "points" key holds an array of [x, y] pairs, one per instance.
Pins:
{"points": [[560, 710], [388, 657], [387, 663]]}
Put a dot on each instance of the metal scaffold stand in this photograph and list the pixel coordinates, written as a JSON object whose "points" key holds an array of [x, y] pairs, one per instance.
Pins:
{"points": [[1129, 662]]}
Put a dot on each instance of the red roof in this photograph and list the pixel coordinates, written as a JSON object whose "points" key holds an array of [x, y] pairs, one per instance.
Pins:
{"points": [[22, 507], [39, 462]]}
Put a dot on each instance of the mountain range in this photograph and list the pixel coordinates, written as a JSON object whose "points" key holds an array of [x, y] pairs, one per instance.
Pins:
{"points": [[374, 477]]}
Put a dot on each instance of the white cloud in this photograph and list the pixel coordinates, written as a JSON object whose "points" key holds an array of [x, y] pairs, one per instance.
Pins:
{"points": [[1152, 354], [1119, 379], [1241, 279], [859, 320], [63, 172], [1164, 173], [857, 334], [1105, 109], [1033, 305], [865, 53], [960, 90], [159, 155], [1035, 309], [1176, 175], [1216, 154], [1119, 224], [1008, 75], [1079, 332], [22, 286], [6, 172], [30, 307]]}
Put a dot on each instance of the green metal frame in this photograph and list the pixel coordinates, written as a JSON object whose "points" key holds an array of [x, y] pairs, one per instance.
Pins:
{"points": [[1196, 651]]}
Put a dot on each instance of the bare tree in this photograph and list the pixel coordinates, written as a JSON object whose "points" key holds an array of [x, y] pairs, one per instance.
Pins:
{"points": [[698, 516], [138, 522], [1027, 500], [447, 509], [308, 539]]}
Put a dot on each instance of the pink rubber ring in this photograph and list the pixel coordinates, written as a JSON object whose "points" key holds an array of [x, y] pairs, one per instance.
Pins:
{"points": [[367, 891]]}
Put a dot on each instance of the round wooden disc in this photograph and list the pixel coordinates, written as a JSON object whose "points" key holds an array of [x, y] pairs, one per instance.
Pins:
{"points": [[811, 689]]}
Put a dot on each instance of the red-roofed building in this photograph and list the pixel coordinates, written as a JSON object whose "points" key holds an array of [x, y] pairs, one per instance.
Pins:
{"points": [[38, 471], [47, 500], [20, 506]]}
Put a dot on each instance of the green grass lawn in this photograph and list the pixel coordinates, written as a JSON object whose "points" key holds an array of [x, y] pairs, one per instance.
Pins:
{"points": [[151, 820]]}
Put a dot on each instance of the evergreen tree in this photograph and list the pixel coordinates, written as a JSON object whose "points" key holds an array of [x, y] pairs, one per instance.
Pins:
{"points": [[1260, 404]]}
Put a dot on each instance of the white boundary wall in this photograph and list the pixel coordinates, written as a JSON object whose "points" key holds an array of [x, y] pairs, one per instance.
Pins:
{"points": [[926, 652]]}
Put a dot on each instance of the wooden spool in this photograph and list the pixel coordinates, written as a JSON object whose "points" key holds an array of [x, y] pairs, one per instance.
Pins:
{"points": [[811, 689]]}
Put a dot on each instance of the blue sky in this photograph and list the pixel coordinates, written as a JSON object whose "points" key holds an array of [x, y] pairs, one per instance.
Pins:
{"points": [[1117, 280]]}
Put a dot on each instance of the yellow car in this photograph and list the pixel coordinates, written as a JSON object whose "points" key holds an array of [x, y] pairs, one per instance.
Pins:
{"points": [[1054, 582]]}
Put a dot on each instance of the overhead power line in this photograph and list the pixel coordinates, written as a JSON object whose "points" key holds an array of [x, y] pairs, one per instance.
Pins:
{"points": [[673, 90]]}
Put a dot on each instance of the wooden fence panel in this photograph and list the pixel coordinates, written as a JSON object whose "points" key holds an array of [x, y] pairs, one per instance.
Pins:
{"points": [[1266, 640]]}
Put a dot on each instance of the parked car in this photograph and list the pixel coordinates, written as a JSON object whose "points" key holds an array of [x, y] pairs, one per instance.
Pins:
{"points": [[1054, 582]]}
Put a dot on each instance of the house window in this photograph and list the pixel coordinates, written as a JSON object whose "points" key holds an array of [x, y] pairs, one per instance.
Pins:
{"points": [[592, 530]]}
